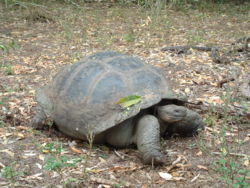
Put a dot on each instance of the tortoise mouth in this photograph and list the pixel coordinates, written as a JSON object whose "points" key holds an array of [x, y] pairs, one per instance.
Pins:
{"points": [[171, 118]]}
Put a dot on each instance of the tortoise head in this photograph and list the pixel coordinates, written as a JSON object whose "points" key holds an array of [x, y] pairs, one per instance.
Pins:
{"points": [[171, 113]]}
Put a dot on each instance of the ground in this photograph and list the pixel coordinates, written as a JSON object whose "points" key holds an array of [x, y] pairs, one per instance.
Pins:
{"points": [[37, 40]]}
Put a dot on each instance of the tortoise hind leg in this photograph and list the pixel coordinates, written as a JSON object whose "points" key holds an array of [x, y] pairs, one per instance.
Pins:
{"points": [[148, 140], [121, 135], [39, 119]]}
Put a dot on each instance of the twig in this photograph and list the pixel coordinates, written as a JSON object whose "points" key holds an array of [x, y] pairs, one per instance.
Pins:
{"points": [[195, 178], [119, 155], [234, 154], [103, 181], [220, 83]]}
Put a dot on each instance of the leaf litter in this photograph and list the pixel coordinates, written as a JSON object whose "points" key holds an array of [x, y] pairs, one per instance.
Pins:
{"points": [[45, 47]]}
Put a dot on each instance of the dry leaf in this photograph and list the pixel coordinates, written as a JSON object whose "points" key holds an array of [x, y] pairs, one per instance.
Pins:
{"points": [[202, 167], [199, 153], [74, 149], [178, 178], [10, 153], [20, 135], [246, 163], [175, 174], [166, 175], [144, 186]]}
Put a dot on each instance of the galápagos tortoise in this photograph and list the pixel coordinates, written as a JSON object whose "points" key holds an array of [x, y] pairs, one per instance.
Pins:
{"points": [[83, 100]]}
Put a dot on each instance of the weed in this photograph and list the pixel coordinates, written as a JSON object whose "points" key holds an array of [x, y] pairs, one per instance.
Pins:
{"points": [[230, 163], [71, 180], [90, 138], [1, 122], [9, 70], [68, 32], [11, 45], [196, 37], [210, 119], [3, 100], [58, 162], [4, 48], [55, 163], [53, 147], [129, 37], [8, 172]]}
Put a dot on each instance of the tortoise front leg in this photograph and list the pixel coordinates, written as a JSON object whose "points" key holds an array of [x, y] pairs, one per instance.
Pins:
{"points": [[148, 140]]}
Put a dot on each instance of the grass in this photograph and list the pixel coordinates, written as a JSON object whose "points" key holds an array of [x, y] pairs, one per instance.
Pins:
{"points": [[9, 70], [10, 45], [70, 180], [53, 147], [57, 162], [129, 37], [229, 162], [9, 172]]}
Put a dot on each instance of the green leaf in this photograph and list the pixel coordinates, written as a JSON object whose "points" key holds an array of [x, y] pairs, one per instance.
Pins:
{"points": [[128, 101], [4, 48]]}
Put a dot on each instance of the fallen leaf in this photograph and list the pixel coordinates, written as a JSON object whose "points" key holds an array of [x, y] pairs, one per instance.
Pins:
{"points": [[10, 153], [128, 101], [202, 167], [74, 149], [199, 153], [246, 163], [144, 186], [20, 135], [166, 175], [175, 174], [178, 178]]}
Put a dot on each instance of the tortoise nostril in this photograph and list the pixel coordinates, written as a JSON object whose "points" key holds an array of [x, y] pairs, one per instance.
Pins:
{"points": [[177, 111]]}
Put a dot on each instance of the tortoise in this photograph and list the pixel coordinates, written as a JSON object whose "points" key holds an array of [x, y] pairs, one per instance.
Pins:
{"points": [[82, 100]]}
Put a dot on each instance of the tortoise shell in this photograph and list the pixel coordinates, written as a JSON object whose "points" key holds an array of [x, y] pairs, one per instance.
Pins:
{"points": [[83, 97]]}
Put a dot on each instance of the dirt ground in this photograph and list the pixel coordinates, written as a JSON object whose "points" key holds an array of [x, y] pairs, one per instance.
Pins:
{"points": [[36, 41]]}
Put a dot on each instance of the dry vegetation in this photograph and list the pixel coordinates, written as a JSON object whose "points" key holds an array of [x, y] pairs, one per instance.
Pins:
{"points": [[37, 40]]}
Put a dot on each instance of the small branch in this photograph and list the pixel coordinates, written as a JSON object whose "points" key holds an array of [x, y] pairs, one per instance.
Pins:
{"points": [[220, 83], [183, 49], [233, 154]]}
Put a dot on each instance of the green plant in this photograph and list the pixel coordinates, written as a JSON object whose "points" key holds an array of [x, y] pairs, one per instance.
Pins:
{"points": [[195, 37], [8, 172], [4, 48], [53, 147], [22, 4], [68, 31], [90, 137], [71, 180], [3, 100], [231, 170], [58, 162], [230, 162], [9, 70], [129, 37], [11, 45], [55, 163]]}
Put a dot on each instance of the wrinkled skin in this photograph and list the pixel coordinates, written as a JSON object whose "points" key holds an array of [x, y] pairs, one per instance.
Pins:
{"points": [[144, 130]]}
